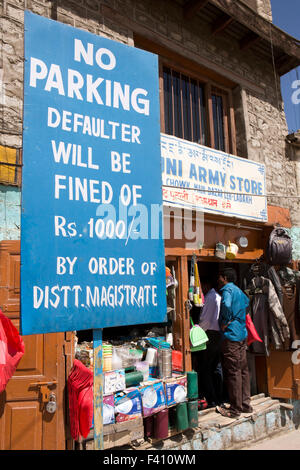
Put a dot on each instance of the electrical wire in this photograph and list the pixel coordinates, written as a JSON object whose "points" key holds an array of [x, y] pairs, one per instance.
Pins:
{"points": [[274, 67]]}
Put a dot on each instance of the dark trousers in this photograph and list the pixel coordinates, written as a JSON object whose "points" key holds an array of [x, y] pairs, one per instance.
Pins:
{"points": [[207, 363], [236, 374]]}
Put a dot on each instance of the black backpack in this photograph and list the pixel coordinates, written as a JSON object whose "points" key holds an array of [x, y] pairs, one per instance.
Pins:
{"points": [[279, 250]]}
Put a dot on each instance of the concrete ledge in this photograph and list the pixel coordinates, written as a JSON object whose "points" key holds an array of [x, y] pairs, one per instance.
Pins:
{"points": [[215, 432]]}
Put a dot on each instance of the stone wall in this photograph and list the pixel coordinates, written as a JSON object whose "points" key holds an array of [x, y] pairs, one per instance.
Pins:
{"points": [[263, 7], [260, 116]]}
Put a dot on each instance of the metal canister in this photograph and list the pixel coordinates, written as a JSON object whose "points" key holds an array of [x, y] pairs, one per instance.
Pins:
{"points": [[165, 363]]}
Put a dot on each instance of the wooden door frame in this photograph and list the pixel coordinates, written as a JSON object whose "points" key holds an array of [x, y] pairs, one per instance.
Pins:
{"points": [[54, 346]]}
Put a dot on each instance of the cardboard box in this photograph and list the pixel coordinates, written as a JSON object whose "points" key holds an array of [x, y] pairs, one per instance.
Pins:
{"points": [[153, 398], [114, 381], [176, 390], [108, 409], [128, 405]]}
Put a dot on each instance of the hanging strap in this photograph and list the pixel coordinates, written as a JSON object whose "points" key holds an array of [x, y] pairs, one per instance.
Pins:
{"points": [[197, 281], [193, 266]]}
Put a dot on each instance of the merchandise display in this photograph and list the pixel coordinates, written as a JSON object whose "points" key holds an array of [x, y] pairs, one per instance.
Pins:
{"points": [[114, 381], [108, 409], [192, 385], [192, 408], [143, 376], [145, 383], [160, 424], [153, 398], [176, 390], [128, 405], [182, 421], [148, 426]]}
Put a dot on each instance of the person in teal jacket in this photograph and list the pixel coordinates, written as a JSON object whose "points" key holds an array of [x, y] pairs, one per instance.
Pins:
{"points": [[232, 323]]}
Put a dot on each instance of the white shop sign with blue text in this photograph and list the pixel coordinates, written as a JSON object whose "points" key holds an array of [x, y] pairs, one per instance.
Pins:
{"points": [[195, 176]]}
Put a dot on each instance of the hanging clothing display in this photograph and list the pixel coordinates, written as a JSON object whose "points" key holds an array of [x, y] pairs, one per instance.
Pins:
{"points": [[267, 315], [290, 291], [11, 350], [289, 307], [80, 390], [260, 268], [274, 278]]}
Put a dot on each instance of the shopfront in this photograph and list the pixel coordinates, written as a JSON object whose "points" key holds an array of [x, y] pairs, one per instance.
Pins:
{"points": [[212, 201]]}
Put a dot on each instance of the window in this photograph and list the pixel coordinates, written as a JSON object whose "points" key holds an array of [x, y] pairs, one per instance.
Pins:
{"points": [[184, 106], [197, 111], [10, 166]]}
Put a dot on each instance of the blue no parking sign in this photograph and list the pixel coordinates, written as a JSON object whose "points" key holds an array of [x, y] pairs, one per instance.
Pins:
{"points": [[92, 252]]}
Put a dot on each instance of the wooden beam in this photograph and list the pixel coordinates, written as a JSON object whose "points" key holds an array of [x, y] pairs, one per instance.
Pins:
{"points": [[221, 24], [249, 40], [279, 61], [191, 7], [285, 63]]}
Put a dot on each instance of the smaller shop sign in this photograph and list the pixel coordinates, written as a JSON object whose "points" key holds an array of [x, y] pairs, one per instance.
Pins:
{"points": [[196, 176]]}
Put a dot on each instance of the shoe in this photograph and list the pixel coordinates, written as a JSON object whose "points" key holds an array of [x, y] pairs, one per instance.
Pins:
{"points": [[202, 404], [226, 406], [227, 413], [248, 409]]}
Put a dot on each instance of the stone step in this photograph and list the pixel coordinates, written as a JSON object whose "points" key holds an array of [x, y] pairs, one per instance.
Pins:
{"points": [[216, 432], [211, 415]]}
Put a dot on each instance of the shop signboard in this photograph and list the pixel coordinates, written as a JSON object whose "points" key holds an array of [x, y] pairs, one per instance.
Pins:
{"points": [[91, 254], [196, 176]]}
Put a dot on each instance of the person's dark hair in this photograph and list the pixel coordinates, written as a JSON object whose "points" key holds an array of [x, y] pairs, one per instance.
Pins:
{"points": [[230, 274]]}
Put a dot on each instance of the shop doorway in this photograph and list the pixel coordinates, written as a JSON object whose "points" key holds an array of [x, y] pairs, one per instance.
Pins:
{"points": [[210, 270], [24, 422]]}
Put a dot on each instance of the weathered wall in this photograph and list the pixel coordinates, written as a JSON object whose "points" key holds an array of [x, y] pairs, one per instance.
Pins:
{"points": [[260, 116], [10, 202]]}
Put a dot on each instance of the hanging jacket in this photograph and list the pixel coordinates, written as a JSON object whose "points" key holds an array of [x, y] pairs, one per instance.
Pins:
{"points": [[265, 270], [80, 390], [267, 315], [11, 350], [289, 280], [273, 276]]}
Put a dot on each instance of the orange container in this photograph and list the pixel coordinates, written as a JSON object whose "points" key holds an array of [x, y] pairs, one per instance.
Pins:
{"points": [[177, 361]]}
